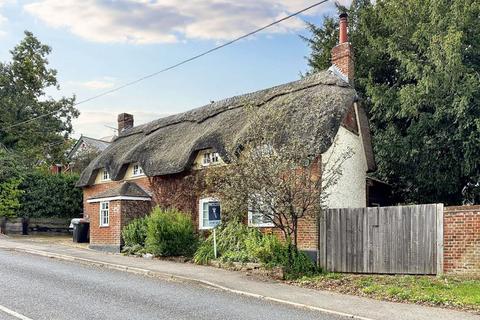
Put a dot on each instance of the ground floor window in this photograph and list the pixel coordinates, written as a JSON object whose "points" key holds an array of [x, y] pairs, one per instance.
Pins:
{"points": [[104, 214], [209, 213], [259, 213]]}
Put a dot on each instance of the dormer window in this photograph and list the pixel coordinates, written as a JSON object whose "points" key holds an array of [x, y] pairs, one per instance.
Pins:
{"points": [[137, 170], [210, 158], [105, 175]]}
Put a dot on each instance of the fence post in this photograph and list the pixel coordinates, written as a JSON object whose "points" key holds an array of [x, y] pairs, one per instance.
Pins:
{"points": [[439, 239]]}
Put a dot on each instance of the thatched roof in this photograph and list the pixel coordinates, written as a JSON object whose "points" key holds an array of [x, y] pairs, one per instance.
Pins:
{"points": [[316, 105], [126, 189]]}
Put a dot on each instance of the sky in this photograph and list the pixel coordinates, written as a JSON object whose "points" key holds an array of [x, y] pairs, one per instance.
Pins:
{"points": [[98, 45]]}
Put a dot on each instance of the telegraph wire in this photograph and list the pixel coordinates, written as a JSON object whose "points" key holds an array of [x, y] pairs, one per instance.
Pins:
{"points": [[173, 66]]}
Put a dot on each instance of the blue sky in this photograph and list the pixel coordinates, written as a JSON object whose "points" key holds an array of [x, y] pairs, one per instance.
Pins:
{"points": [[100, 44]]}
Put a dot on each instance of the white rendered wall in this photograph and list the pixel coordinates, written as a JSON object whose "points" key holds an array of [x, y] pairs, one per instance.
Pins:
{"points": [[350, 189]]}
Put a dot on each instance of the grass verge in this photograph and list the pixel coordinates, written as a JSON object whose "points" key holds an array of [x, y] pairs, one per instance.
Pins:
{"points": [[435, 291]]}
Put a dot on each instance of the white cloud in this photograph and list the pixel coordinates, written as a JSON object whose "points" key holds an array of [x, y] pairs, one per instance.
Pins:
{"points": [[96, 124], [102, 83], [3, 18], [163, 21], [96, 84]]}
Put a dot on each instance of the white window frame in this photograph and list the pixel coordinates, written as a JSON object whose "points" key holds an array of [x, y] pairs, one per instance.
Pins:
{"points": [[138, 168], [104, 214], [201, 212], [257, 225], [210, 158], [105, 175]]}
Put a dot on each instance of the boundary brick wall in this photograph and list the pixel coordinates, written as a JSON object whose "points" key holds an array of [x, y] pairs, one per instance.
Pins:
{"points": [[462, 240]]}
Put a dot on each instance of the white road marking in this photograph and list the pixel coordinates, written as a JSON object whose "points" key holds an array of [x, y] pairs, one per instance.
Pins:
{"points": [[13, 313]]}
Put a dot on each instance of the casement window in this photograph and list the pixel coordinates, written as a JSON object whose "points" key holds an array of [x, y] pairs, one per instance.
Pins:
{"points": [[137, 170], [259, 213], [209, 213], [105, 175], [210, 158], [104, 214]]}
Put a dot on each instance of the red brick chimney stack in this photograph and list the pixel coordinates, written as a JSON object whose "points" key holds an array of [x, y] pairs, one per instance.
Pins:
{"points": [[125, 121], [342, 54]]}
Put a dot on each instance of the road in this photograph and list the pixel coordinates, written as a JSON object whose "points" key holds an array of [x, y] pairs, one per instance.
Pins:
{"points": [[38, 288]]}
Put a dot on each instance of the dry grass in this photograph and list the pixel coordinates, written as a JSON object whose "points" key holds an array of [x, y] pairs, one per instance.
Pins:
{"points": [[434, 291]]}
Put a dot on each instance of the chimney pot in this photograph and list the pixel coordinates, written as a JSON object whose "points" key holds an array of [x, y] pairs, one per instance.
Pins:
{"points": [[125, 121], [343, 28]]}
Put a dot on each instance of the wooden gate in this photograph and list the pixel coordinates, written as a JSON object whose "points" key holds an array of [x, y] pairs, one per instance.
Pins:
{"points": [[401, 240]]}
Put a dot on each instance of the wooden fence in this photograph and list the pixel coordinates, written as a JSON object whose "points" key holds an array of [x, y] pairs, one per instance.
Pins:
{"points": [[14, 225], [401, 240]]}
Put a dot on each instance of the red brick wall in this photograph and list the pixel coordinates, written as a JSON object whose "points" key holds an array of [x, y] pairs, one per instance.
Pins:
{"points": [[307, 233], [462, 240], [109, 238], [350, 121], [134, 209], [105, 236], [181, 191]]}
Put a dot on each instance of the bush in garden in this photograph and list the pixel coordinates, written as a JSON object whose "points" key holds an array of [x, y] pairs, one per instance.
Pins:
{"points": [[170, 233], [134, 235], [238, 243], [231, 244], [297, 263], [204, 252], [272, 252], [267, 249]]}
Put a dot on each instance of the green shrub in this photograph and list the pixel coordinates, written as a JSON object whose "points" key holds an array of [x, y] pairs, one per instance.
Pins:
{"points": [[135, 233], [271, 252], [267, 249], [47, 195], [297, 263], [170, 233], [238, 243], [231, 244], [204, 252], [10, 196]]}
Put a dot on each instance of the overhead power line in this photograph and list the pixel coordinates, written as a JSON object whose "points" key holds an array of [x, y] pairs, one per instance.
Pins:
{"points": [[175, 65]]}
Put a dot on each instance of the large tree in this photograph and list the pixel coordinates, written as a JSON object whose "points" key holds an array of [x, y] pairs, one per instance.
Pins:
{"points": [[23, 84], [417, 68]]}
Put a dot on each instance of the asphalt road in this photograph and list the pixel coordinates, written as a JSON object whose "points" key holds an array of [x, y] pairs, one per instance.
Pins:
{"points": [[40, 288]]}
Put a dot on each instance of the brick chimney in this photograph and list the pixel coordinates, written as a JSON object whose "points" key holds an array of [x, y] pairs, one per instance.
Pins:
{"points": [[342, 53], [125, 121]]}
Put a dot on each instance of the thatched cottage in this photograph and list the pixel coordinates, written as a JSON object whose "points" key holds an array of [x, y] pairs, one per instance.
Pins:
{"points": [[147, 164]]}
